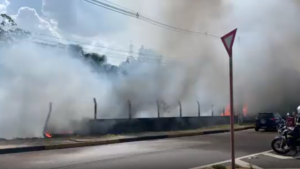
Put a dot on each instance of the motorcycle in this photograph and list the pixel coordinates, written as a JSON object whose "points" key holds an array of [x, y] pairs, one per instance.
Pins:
{"points": [[280, 143]]}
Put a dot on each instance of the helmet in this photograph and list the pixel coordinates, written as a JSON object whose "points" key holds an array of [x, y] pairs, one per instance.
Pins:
{"points": [[288, 114], [298, 109]]}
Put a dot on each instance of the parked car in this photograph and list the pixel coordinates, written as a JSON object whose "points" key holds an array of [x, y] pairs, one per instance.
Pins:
{"points": [[267, 121]]}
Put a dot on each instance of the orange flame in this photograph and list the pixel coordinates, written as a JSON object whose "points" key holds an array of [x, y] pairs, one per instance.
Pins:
{"points": [[48, 135], [227, 111]]}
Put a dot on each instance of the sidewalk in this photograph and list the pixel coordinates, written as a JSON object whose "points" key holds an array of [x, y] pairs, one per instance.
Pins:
{"points": [[271, 160], [263, 160], [39, 144]]}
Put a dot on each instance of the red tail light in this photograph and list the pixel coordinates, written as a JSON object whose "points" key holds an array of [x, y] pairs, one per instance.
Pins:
{"points": [[273, 119]]}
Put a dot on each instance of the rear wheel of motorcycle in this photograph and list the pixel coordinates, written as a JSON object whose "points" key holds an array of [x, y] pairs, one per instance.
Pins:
{"points": [[277, 141]]}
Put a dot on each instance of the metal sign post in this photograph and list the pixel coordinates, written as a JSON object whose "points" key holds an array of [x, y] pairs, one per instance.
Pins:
{"points": [[228, 41]]}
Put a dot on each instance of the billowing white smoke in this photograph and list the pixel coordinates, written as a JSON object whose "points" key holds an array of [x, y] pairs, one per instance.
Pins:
{"points": [[33, 75], [266, 52]]}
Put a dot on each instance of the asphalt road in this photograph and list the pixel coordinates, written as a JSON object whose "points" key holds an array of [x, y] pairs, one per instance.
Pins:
{"points": [[177, 153]]}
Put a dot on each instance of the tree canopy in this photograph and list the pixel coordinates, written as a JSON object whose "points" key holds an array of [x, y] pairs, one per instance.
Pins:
{"points": [[78, 51], [98, 59], [9, 32]]}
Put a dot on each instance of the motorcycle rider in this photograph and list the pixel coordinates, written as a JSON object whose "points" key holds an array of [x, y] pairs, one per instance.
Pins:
{"points": [[294, 136]]}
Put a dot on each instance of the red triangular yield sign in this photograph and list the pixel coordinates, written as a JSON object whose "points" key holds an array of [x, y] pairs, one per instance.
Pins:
{"points": [[228, 41]]}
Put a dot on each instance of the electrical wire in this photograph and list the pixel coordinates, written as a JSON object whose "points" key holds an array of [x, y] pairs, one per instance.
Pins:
{"points": [[119, 6], [109, 7], [131, 13], [98, 46], [59, 45]]}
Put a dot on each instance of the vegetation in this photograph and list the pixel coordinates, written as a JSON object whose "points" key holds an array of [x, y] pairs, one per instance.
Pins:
{"points": [[77, 51], [9, 32], [98, 59]]}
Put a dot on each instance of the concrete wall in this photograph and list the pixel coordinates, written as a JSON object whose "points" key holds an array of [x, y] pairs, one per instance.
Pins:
{"points": [[121, 126]]}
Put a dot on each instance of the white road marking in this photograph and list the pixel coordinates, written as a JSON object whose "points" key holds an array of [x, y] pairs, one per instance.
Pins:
{"points": [[245, 164], [277, 156], [226, 161], [256, 154]]}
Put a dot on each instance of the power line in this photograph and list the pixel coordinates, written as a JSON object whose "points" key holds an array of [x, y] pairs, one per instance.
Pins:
{"points": [[115, 9], [122, 10], [59, 45], [174, 28], [98, 46], [119, 6]]}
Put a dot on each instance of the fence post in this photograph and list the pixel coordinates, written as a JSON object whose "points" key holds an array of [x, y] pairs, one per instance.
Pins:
{"points": [[157, 103], [47, 119], [199, 109], [95, 108], [212, 110], [180, 109], [129, 110]]}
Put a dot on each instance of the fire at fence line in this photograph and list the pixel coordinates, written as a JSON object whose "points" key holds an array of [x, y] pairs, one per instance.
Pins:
{"points": [[227, 111], [162, 109]]}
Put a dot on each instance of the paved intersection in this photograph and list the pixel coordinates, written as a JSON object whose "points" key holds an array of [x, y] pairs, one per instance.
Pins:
{"points": [[175, 153]]}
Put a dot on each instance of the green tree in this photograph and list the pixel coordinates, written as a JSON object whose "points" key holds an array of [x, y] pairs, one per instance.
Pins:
{"points": [[98, 59], [9, 32], [78, 51], [75, 50]]}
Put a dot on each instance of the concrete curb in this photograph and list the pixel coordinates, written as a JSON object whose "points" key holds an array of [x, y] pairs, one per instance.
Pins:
{"points": [[113, 141]]}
